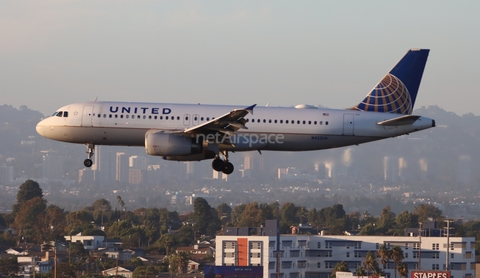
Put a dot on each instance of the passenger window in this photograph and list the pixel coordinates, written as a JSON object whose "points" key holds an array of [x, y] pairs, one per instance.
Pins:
{"points": [[315, 122], [195, 118], [321, 122], [303, 122], [298, 122], [138, 117], [110, 116], [178, 118], [166, 117], [144, 117], [281, 121], [275, 121], [186, 118], [286, 121], [161, 117], [201, 119], [65, 114], [270, 121], [264, 120], [104, 115], [154, 117], [126, 116], [208, 119], [121, 116], [326, 123], [309, 122], [150, 117], [99, 115]]}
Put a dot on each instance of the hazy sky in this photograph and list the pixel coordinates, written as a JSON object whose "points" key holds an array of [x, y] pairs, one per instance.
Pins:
{"points": [[235, 52]]}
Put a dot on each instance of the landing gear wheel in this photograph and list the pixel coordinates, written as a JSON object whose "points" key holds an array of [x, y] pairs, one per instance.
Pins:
{"points": [[218, 164], [228, 169], [90, 148], [88, 163]]}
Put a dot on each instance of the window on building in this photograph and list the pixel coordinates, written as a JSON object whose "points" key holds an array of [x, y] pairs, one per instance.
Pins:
{"points": [[358, 245], [302, 264], [468, 255], [319, 265], [328, 265], [319, 245]]}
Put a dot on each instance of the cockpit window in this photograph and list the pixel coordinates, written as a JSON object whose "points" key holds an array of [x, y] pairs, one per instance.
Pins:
{"points": [[55, 113], [65, 114], [59, 114]]}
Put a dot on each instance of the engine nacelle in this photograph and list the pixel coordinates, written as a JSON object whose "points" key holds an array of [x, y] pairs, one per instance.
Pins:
{"points": [[164, 144]]}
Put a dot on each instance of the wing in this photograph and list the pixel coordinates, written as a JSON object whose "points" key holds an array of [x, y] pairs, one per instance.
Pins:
{"points": [[229, 123]]}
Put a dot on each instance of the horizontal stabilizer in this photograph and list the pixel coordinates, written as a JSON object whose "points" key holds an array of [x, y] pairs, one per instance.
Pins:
{"points": [[404, 120]]}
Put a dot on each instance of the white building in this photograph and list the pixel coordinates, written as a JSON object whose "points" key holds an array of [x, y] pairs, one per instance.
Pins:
{"points": [[89, 242], [307, 256]]}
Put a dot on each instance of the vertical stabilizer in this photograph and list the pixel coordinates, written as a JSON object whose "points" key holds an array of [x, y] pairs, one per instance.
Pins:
{"points": [[397, 91]]}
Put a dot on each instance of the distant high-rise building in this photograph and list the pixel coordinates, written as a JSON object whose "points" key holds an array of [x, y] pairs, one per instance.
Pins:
{"points": [[247, 163], [105, 164], [135, 176], [190, 168], [121, 167], [86, 176], [390, 168], [138, 162], [6, 175], [465, 169], [52, 166]]}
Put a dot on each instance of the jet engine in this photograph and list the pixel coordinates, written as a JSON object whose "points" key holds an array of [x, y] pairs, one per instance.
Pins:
{"points": [[165, 144]]}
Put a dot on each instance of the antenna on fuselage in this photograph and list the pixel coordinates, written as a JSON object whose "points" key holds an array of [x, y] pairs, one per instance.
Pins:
{"points": [[95, 100]]}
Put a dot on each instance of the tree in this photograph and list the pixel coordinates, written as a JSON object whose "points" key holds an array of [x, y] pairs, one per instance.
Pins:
{"points": [[370, 264], [360, 271], [397, 256], [50, 224], [178, 262], [402, 269], [9, 265], [385, 254], [340, 267], [427, 211], [101, 208], [27, 191], [205, 217], [387, 219], [224, 213], [251, 216], [26, 218]]}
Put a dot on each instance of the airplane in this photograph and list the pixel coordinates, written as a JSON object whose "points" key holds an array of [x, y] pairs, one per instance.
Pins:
{"points": [[194, 132]]}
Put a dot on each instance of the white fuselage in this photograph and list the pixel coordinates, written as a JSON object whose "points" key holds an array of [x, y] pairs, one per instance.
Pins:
{"points": [[280, 128]]}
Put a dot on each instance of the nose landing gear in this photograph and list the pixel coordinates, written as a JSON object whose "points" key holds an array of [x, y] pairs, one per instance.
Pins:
{"points": [[88, 162], [222, 165]]}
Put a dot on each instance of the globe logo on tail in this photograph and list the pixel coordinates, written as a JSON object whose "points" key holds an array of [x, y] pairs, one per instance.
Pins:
{"points": [[390, 95]]}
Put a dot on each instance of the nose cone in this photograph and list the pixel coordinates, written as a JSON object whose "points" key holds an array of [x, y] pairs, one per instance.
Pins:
{"points": [[41, 128]]}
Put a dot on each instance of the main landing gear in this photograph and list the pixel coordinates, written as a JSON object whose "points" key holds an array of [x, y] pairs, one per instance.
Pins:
{"points": [[222, 165], [88, 162]]}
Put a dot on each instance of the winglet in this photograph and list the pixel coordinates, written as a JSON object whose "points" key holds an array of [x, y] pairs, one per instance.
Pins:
{"points": [[250, 109]]}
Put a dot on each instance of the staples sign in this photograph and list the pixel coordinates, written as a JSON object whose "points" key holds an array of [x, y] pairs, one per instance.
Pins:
{"points": [[430, 274]]}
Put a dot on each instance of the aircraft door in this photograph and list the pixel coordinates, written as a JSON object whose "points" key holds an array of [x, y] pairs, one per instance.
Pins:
{"points": [[195, 119], [87, 115], [348, 124], [186, 119]]}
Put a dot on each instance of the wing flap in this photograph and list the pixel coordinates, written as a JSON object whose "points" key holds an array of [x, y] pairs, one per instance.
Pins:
{"points": [[228, 123]]}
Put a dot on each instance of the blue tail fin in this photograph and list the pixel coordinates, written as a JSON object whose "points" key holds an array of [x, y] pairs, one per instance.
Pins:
{"points": [[397, 91]]}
